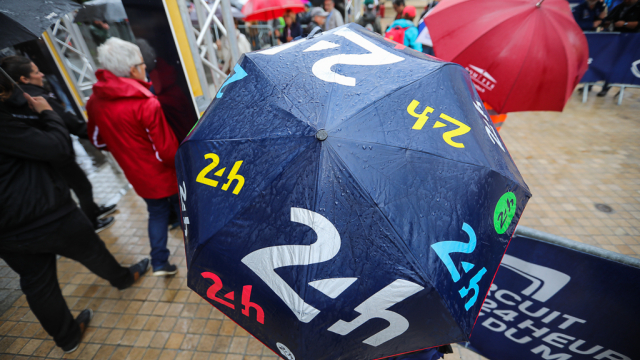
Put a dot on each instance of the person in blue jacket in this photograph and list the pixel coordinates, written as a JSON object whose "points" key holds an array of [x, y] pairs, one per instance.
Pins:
{"points": [[406, 23], [589, 14]]}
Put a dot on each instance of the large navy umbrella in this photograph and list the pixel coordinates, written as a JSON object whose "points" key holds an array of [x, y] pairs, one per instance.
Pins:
{"points": [[345, 197]]}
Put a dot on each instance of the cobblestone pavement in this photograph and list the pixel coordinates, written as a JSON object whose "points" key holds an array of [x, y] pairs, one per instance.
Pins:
{"points": [[573, 160]]}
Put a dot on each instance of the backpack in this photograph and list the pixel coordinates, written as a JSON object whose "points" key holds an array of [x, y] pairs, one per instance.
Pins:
{"points": [[396, 34]]}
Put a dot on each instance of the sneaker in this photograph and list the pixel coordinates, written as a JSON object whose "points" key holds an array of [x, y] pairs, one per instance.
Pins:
{"points": [[104, 210], [83, 321], [102, 224], [165, 270], [136, 270]]}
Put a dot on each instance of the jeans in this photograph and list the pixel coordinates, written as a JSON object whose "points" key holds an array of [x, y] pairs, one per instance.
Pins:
{"points": [[159, 211], [33, 256]]}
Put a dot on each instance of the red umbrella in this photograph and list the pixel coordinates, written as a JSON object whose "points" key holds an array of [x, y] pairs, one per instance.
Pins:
{"points": [[523, 55], [264, 10]]}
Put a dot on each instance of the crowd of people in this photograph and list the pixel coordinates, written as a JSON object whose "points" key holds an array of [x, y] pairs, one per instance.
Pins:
{"points": [[594, 15]]}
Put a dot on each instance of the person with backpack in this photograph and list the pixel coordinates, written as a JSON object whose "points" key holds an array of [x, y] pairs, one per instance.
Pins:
{"points": [[369, 20], [403, 31]]}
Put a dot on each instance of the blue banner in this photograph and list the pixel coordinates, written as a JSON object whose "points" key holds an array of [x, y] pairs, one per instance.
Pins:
{"points": [[613, 57], [551, 302], [627, 68]]}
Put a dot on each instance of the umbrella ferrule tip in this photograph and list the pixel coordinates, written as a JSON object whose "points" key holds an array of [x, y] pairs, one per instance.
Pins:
{"points": [[322, 135]]}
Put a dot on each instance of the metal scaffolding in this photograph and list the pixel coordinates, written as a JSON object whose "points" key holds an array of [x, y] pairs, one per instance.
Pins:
{"points": [[205, 40], [72, 56]]}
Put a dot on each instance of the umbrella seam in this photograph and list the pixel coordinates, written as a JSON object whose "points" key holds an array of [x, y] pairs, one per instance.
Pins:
{"points": [[475, 39], [199, 247], [307, 121], [502, 108], [254, 138], [442, 157], [21, 26], [391, 224], [364, 190], [420, 151], [567, 56], [391, 93], [415, 262]]}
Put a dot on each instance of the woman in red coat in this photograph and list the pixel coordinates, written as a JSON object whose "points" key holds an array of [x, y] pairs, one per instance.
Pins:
{"points": [[126, 119]]}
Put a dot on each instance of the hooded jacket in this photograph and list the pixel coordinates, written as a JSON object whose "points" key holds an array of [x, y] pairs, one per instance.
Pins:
{"points": [[410, 35], [32, 193], [127, 119]]}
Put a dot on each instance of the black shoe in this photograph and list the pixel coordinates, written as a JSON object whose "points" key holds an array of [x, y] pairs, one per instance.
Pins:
{"points": [[102, 224], [104, 210], [165, 270], [604, 91], [83, 321], [136, 270]]}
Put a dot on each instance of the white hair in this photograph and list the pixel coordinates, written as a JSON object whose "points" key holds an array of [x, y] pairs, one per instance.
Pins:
{"points": [[118, 56]]}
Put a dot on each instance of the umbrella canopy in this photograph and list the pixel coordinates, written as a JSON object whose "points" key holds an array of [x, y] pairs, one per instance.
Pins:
{"points": [[264, 10], [521, 56], [346, 197], [104, 10], [26, 20]]}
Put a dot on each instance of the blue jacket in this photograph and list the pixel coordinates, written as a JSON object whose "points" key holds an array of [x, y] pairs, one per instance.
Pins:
{"points": [[410, 35], [585, 16]]}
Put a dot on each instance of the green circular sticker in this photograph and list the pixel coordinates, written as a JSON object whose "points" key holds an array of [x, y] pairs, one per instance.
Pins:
{"points": [[505, 210]]}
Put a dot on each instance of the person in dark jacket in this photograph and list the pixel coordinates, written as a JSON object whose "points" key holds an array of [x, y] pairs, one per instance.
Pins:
{"points": [[292, 29], [318, 19], [26, 73], [369, 19], [624, 17], [398, 6], [589, 14], [39, 220]]}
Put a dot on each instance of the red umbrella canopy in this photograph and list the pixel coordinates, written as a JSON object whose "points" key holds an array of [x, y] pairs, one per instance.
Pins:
{"points": [[264, 10], [522, 55]]}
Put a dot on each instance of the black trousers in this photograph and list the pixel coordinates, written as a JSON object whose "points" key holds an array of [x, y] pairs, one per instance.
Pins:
{"points": [[33, 256], [81, 186]]}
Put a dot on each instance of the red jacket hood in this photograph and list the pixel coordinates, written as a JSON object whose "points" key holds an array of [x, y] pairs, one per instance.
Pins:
{"points": [[112, 87]]}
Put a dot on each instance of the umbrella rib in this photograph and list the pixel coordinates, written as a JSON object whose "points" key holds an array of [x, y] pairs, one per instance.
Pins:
{"points": [[479, 36], [416, 150], [24, 28], [414, 261], [435, 155], [396, 90], [519, 72], [566, 48], [307, 121], [370, 198], [199, 247], [250, 139]]}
